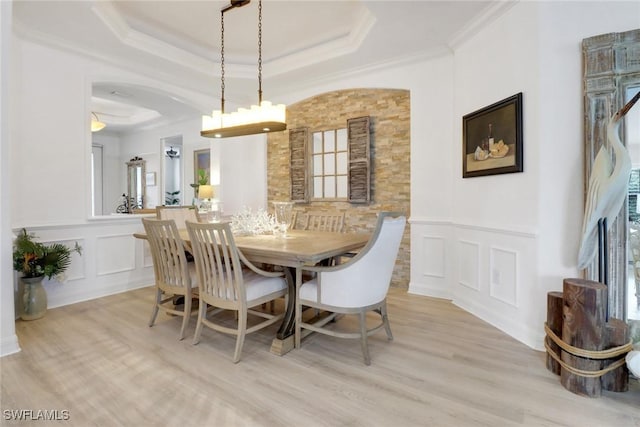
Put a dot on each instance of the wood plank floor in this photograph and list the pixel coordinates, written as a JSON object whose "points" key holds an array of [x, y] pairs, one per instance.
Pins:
{"points": [[101, 362]]}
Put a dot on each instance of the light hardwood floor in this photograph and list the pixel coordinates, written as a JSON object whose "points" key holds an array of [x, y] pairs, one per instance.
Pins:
{"points": [[100, 361]]}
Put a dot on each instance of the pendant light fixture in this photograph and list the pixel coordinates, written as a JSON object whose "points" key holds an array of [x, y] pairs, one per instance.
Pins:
{"points": [[96, 124], [172, 154], [262, 118]]}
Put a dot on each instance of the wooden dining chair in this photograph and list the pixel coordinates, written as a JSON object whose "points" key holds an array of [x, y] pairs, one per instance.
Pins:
{"points": [[355, 287], [322, 221], [228, 281], [173, 274], [180, 214]]}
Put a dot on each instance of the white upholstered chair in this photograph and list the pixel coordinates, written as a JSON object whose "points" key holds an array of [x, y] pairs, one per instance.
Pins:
{"points": [[226, 285], [355, 287], [173, 274]]}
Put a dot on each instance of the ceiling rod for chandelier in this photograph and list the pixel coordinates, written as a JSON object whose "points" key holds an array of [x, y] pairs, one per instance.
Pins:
{"points": [[262, 118]]}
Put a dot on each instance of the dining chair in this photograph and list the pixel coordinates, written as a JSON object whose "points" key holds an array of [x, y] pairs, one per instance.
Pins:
{"points": [[322, 221], [180, 214], [355, 287], [174, 276], [228, 281]]}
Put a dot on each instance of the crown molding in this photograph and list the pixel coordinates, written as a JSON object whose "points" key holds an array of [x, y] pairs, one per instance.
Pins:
{"points": [[305, 57], [344, 74], [325, 51], [491, 13]]}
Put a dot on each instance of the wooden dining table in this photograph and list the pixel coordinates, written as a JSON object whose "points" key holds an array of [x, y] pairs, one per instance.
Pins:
{"points": [[293, 251]]}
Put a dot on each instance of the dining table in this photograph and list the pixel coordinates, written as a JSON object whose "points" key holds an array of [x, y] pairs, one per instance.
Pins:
{"points": [[292, 251]]}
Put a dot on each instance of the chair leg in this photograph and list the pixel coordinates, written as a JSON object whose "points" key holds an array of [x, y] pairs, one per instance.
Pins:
{"points": [[298, 329], [363, 337], [202, 313], [187, 315], [154, 312], [242, 329], [385, 320]]}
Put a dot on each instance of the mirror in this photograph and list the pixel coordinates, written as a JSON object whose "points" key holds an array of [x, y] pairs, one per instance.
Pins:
{"points": [[610, 80], [136, 183]]}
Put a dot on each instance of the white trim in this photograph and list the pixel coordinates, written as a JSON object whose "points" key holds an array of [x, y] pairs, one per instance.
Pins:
{"points": [[9, 345], [522, 232]]}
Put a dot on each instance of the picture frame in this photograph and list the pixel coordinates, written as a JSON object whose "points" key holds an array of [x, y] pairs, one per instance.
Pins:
{"points": [[150, 178], [201, 160], [492, 139]]}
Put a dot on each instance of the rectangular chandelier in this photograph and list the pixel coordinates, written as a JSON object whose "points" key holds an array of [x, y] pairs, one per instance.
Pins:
{"points": [[262, 118]]}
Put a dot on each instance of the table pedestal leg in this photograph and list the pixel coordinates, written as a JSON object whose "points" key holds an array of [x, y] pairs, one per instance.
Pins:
{"points": [[284, 340]]}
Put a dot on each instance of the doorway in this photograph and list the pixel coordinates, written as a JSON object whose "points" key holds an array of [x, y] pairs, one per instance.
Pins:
{"points": [[172, 177]]}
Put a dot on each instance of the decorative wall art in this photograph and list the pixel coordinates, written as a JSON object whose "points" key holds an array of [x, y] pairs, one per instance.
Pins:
{"points": [[492, 139]]}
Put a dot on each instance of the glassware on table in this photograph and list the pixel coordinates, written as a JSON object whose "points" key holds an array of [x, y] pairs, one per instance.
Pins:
{"points": [[283, 213]]}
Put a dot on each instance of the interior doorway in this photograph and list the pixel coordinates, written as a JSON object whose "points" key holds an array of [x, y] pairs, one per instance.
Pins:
{"points": [[172, 185]]}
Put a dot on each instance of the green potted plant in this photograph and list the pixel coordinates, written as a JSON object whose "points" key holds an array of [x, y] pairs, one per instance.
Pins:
{"points": [[203, 179], [36, 261]]}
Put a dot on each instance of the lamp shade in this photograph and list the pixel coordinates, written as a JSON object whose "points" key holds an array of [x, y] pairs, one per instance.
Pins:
{"points": [[96, 124], [205, 192]]}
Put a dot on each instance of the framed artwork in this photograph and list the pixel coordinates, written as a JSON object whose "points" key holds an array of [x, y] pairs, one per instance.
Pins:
{"points": [[202, 161], [492, 139], [150, 178]]}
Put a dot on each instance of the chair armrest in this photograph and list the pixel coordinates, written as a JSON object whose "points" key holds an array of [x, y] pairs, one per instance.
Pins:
{"points": [[257, 270], [321, 269]]}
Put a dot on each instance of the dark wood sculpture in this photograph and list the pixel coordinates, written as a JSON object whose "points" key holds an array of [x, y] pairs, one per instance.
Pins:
{"points": [[591, 348]]}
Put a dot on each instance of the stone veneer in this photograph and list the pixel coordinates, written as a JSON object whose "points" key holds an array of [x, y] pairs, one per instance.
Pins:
{"points": [[389, 110]]}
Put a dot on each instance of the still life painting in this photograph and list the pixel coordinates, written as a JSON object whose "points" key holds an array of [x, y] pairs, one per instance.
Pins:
{"points": [[492, 139]]}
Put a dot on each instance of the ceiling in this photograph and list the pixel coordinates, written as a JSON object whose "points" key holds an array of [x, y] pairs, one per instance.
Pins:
{"points": [[304, 41]]}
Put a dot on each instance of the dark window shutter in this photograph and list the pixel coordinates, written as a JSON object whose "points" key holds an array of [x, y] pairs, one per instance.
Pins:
{"points": [[298, 170], [359, 160]]}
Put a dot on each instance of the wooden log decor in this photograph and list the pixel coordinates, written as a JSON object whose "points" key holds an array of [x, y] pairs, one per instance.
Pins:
{"points": [[554, 322], [592, 350]]}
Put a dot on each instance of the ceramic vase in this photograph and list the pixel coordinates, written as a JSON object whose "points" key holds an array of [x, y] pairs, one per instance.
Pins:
{"points": [[34, 299]]}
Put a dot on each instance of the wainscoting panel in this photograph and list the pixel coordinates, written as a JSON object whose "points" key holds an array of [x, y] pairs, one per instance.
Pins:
{"points": [[503, 267], [490, 272], [116, 254], [468, 260], [431, 268], [111, 259], [147, 260], [434, 260]]}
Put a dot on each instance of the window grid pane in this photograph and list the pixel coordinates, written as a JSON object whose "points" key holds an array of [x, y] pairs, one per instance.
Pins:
{"points": [[329, 164]]}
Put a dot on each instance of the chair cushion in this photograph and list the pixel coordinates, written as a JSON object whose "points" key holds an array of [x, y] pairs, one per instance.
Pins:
{"points": [[309, 290], [258, 286]]}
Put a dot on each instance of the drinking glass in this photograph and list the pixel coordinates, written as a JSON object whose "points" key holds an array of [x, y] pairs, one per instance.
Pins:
{"points": [[284, 211]]}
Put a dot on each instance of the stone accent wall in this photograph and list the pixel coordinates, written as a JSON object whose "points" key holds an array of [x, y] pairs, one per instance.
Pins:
{"points": [[389, 110]]}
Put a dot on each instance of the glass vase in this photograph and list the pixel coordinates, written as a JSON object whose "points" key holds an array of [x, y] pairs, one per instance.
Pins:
{"points": [[34, 299], [283, 214]]}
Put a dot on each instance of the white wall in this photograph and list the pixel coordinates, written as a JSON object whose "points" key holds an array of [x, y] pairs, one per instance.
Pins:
{"points": [[114, 182], [8, 339], [525, 227]]}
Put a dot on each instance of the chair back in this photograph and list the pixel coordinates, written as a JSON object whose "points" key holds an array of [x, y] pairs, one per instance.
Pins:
{"points": [[365, 279], [324, 222], [218, 264], [180, 214], [168, 253]]}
